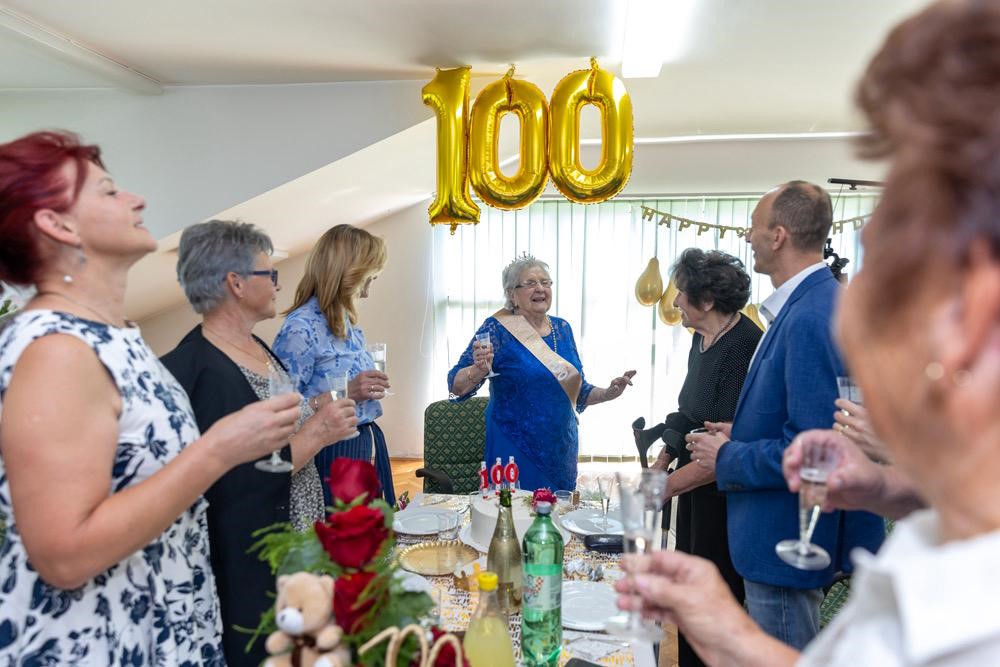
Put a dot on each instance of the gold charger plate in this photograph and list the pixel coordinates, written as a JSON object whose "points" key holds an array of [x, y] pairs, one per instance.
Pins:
{"points": [[436, 558]]}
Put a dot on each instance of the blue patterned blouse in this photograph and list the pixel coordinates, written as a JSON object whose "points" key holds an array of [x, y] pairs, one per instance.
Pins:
{"points": [[309, 350]]}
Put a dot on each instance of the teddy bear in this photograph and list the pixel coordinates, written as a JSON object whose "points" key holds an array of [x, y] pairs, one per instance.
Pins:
{"points": [[306, 636]]}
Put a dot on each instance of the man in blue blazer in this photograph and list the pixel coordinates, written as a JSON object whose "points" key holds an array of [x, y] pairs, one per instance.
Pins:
{"points": [[790, 388]]}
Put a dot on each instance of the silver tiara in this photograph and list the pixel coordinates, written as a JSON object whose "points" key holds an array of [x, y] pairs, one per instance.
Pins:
{"points": [[523, 257]]}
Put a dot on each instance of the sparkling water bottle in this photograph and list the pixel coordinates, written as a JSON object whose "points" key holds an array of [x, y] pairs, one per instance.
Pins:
{"points": [[541, 608]]}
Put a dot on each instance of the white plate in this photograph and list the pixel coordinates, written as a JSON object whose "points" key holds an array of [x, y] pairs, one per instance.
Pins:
{"points": [[465, 536], [419, 520], [587, 605], [590, 521]]}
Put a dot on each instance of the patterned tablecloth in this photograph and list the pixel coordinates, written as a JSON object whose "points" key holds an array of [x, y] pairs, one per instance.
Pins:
{"points": [[456, 605]]}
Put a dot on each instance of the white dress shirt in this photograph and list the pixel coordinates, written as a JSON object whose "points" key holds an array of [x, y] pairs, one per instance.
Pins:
{"points": [[918, 603], [772, 305]]}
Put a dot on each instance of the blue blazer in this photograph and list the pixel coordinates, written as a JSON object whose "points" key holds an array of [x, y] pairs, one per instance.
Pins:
{"points": [[790, 387]]}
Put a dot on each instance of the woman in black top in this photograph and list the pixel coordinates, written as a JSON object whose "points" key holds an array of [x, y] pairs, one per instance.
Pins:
{"points": [[712, 288]]}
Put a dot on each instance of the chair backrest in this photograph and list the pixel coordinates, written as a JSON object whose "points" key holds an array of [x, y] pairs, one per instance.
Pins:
{"points": [[454, 441]]}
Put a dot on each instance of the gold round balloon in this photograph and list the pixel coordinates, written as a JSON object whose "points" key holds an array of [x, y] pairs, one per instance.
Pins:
{"points": [[607, 92], [527, 102], [649, 285], [750, 310], [448, 94]]}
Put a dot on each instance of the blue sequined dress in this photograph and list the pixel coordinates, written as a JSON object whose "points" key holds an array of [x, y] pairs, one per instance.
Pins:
{"points": [[529, 415]]}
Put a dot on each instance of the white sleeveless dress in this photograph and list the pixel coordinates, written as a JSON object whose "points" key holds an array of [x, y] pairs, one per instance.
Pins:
{"points": [[159, 605]]}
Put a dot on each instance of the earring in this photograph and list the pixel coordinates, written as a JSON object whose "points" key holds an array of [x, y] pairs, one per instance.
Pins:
{"points": [[934, 371], [81, 259], [961, 378]]}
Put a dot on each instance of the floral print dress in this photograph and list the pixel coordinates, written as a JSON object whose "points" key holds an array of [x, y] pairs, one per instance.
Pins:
{"points": [[155, 607]]}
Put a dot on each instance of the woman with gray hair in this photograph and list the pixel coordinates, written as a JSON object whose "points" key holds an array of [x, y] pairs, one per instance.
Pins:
{"points": [[227, 274], [536, 369]]}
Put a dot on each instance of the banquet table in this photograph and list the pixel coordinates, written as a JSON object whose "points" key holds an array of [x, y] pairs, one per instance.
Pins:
{"points": [[456, 606]]}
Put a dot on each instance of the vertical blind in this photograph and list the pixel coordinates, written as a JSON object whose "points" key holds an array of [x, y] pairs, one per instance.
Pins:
{"points": [[595, 254]]}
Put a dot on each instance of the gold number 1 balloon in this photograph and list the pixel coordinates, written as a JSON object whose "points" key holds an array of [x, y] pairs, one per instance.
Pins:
{"points": [[448, 94], [527, 102], [607, 92]]}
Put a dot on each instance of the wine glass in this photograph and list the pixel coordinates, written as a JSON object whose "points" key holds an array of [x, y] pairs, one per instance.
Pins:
{"points": [[278, 382], [818, 460], [606, 485], [336, 384], [642, 495], [484, 342], [379, 352]]}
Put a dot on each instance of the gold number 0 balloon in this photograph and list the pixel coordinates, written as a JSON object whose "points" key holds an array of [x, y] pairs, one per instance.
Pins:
{"points": [[448, 94], [526, 101], [605, 91]]}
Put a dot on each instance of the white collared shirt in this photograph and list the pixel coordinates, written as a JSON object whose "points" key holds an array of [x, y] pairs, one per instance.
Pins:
{"points": [[772, 305], [918, 603]]}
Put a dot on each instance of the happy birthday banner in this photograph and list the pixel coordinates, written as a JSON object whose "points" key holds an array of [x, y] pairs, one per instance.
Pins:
{"points": [[648, 213]]}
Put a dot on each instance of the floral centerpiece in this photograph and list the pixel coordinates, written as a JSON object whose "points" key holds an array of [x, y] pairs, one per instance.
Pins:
{"points": [[354, 545]]}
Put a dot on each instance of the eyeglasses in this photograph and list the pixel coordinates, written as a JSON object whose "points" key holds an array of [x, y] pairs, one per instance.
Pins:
{"points": [[267, 272], [532, 284]]}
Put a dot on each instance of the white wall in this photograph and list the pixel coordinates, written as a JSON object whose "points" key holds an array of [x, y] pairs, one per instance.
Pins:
{"points": [[193, 151]]}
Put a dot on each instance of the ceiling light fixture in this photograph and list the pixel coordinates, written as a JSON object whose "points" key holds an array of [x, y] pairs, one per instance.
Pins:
{"points": [[656, 31], [78, 54]]}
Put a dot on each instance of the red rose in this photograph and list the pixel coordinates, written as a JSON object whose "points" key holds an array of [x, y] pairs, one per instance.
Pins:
{"points": [[352, 538], [347, 608], [350, 478], [543, 495]]}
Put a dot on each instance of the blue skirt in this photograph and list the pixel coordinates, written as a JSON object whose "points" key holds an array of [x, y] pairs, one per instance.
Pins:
{"points": [[370, 438]]}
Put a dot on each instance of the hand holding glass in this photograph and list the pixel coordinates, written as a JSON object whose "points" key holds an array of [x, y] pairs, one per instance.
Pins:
{"points": [[487, 345], [278, 383], [818, 461], [642, 495], [336, 384], [380, 353]]}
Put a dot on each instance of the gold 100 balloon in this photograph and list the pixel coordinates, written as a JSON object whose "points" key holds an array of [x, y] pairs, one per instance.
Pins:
{"points": [[467, 145]]}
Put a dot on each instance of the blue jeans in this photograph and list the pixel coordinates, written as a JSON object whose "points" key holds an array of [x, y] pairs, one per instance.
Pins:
{"points": [[788, 614]]}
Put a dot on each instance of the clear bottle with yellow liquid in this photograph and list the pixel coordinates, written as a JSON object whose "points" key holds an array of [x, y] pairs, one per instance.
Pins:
{"points": [[487, 641]]}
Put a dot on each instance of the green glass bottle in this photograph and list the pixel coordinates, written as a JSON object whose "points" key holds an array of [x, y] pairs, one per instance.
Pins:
{"points": [[504, 557], [541, 615]]}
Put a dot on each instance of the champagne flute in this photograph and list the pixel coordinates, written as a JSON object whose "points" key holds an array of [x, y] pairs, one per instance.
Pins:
{"points": [[849, 390], [818, 461], [380, 352], [642, 495], [278, 382], [336, 384], [606, 485], [487, 344]]}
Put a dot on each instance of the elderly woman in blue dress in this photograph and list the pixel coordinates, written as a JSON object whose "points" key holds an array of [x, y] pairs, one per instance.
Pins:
{"points": [[537, 366]]}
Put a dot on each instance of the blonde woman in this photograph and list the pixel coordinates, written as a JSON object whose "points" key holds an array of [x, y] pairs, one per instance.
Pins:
{"points": [[321, 338]]}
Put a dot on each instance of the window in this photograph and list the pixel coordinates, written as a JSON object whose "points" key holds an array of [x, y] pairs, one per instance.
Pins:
{"points": [[595, 254]]}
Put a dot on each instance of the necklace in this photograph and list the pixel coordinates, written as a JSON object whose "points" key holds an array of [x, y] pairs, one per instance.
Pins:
{"points": [[555, 338], [100, 318], [266, 360], [729, 325]]}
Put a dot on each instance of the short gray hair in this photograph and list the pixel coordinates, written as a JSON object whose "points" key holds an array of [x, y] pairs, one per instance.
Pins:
{"points": [[512, 275], [210, 250]]}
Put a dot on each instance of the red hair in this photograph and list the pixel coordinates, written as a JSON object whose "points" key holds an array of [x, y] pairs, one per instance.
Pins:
{"points": [[30, 180]]}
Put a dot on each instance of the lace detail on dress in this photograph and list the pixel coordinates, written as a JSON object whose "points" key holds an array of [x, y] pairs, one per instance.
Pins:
{"points": [[306, 504]]}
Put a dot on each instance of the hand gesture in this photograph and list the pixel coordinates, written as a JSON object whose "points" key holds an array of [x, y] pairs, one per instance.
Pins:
{"points": [[856, 481], [852, 421], [725, 428], [618, 385], [333, 421], [482, 356], [704, 447], [255, 431], [368, 386]]}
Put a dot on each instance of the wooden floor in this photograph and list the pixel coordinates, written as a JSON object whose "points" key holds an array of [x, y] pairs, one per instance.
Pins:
{"points": [[404, 480]]}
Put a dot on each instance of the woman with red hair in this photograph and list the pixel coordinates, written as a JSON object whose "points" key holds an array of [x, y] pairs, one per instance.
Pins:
{"points": [[105, 557]]}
